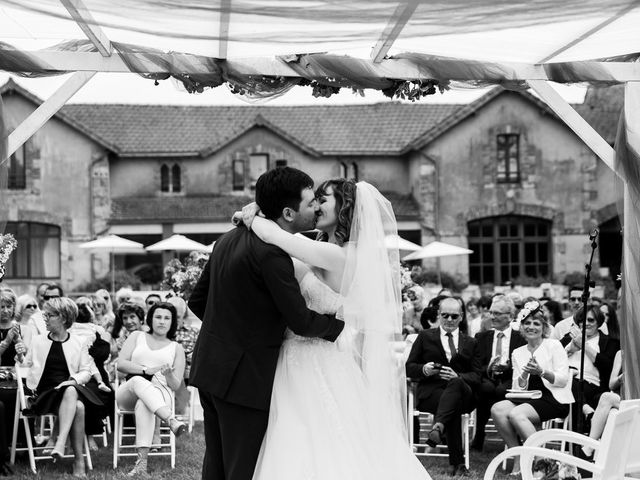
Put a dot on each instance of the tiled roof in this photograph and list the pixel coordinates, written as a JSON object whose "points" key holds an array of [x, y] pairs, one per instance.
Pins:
{"points": [[384, 128], [215, 209], [601, 109]]}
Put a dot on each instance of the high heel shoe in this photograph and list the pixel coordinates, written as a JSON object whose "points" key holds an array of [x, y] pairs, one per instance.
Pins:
{"points": [[177, 427], [56, 454]]}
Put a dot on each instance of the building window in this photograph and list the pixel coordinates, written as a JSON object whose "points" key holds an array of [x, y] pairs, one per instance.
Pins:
{"points": [[508, 152], [508, 247], [170, 179], [17, 178], [176, 183], [38, 251], [281, 163], [353, 172], [238, 175], [258, 164], [343, 170]]}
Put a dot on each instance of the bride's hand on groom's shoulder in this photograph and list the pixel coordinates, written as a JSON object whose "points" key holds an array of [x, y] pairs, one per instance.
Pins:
{"points": [[246, 216]]}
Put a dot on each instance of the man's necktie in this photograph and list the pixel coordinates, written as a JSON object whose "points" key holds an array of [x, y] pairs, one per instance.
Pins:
{"points": [[499, 345], [452, 346]]}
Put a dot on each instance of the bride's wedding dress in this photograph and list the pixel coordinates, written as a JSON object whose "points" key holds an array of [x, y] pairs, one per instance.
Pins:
{"points": [[318, 428]]}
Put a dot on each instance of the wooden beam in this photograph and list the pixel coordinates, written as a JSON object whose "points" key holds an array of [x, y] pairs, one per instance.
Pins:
{"points": [[63, 62], [223, 29], [44, 112], [575, 122], [82, 16], [400, 17], [591, 31]]}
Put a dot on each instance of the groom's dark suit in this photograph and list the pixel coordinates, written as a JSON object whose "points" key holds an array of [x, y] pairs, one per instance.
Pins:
{"points": [[246, 297]]}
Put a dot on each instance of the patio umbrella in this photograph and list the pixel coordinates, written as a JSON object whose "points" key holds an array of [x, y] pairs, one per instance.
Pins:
{"points": [[177, 243], [396, 241], [113, 244], [437, 250]]}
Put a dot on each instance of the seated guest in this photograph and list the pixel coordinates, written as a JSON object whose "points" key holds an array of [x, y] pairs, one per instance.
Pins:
{"points": [[600, 351], [553, 311], [611, 326], [493, 353], [129, 318], [59, 367], [123, 295], [414, 309], [36, 319], [151, 300], [11, 346], [441, 361], [101, 315], [109, 315], [608, 401], [26, 307], [541, 364], [474, 320], [154, 364], [575, 302]]}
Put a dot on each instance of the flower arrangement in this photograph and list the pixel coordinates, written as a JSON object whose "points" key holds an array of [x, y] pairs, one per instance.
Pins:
{"points": [[546, 469], [180, 277], [7, 245]]}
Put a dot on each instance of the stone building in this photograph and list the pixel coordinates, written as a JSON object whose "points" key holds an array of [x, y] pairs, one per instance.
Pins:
{"points": [[502, 176]]}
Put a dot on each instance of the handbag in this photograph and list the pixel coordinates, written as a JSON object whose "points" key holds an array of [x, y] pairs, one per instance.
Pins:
{"points": [[523, 394]]}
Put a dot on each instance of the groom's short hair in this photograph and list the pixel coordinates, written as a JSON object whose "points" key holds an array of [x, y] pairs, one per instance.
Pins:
{"points": [[279, 188]]}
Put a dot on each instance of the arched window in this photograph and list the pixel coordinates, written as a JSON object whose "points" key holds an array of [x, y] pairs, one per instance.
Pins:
{"points": [[176, 179], [354, 171], [508, 247], [170, 179], [38, 251], [164, 178], [343, 170]]}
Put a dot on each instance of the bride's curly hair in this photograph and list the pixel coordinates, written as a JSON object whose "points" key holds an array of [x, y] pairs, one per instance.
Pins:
{"points": [[344, 192]]}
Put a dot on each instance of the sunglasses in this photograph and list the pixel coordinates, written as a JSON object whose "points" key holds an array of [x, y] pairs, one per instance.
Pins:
{"points": [[49, 297], [575, 299], [452, 316], [31, 306]]}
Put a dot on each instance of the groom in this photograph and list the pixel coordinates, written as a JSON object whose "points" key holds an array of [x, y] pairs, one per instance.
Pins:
{"points": [[246, 297]]}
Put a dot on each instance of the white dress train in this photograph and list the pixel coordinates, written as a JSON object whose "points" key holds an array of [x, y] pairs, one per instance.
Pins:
{"points": [[317, 426]]}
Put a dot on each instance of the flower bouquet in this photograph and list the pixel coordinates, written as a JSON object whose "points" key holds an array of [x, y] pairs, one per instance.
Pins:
{"points": [[546, 469], [180, 277], [7, 245]]}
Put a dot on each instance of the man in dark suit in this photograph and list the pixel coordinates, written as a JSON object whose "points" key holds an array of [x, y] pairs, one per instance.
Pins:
{"points": [[493, 352], [441, 361], [246, 297]]}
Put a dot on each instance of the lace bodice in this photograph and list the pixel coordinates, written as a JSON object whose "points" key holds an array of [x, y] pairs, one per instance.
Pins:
{"points": [[319, 297]]}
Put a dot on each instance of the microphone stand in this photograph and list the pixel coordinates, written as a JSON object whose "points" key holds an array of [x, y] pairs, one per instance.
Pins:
{"points": [[585, 298]]}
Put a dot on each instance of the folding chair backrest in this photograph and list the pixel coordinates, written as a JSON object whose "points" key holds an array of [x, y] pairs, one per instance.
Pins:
{"points": [[615, 443], [633, 465]]}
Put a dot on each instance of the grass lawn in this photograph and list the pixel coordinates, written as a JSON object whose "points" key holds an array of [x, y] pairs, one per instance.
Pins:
{"points": [[190, 450]]}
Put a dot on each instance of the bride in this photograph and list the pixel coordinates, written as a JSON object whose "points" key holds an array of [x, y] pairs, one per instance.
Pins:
{"points": [[337, 409]]}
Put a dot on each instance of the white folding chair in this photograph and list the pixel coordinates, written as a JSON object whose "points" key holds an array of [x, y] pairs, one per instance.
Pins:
{"points": [[426, 422], [124, 436], [35, 451], [189, 416], [613, 451]]}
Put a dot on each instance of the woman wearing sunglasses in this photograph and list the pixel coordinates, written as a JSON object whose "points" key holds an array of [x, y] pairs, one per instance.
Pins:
{"points": [[26, 306], [540, 365]]}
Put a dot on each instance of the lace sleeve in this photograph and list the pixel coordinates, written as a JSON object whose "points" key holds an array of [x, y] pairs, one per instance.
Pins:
{"points": [[318, 295]]}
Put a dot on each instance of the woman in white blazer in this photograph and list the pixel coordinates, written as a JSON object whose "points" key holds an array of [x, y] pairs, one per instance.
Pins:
{"points": [[541, 364], [59, 367]]}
